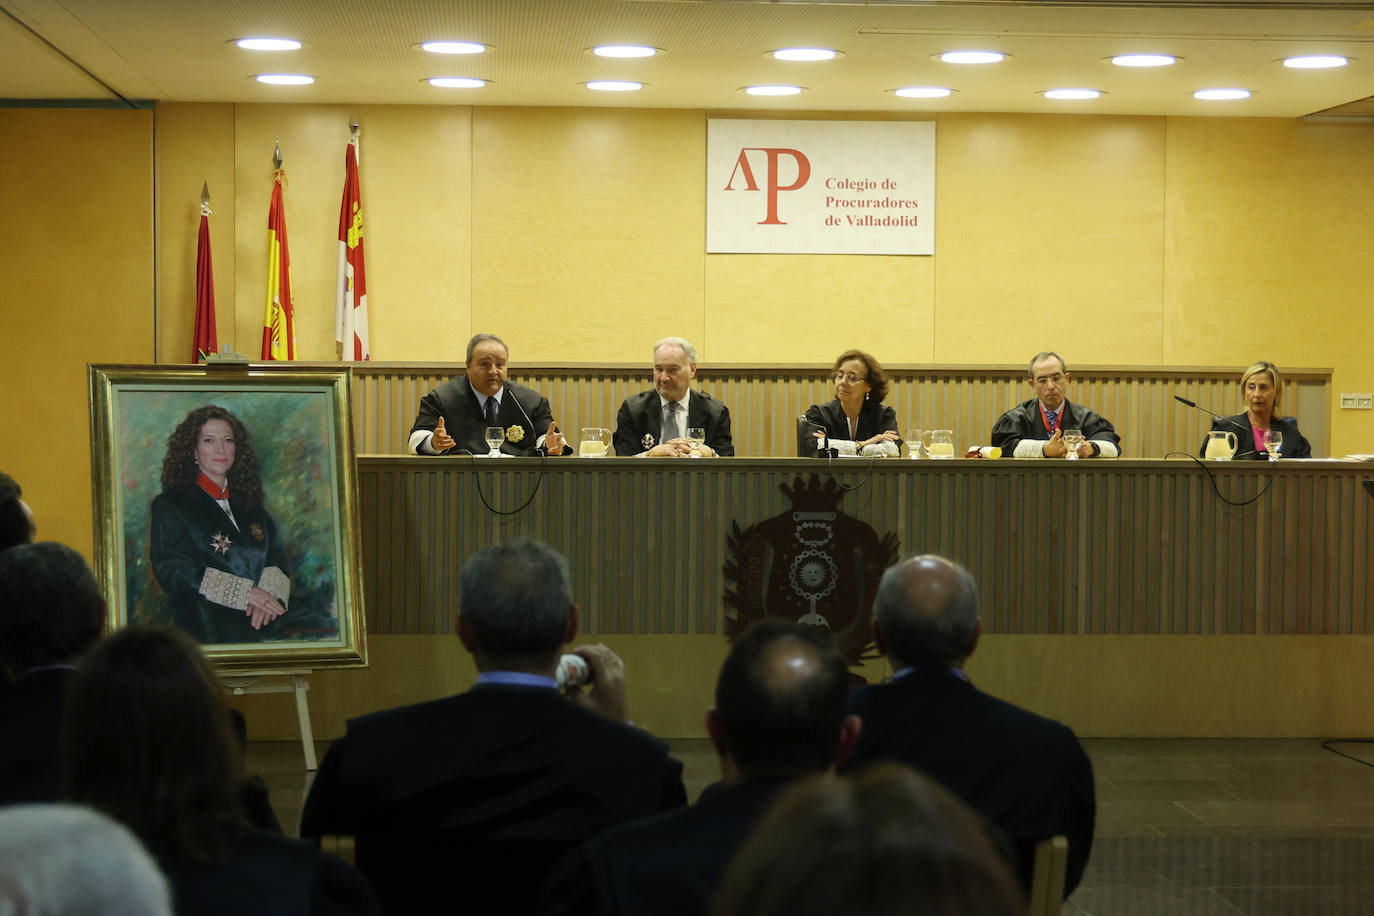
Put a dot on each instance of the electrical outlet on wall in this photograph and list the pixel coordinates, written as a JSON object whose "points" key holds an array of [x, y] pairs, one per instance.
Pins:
{"points": [[1364, 401], [1348, 401]]}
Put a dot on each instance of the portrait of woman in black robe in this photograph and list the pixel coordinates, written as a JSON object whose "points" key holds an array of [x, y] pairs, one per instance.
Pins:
{"points": [[215, 550]]}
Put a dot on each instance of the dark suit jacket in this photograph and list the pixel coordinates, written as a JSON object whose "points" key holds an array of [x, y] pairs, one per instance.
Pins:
{"points": [[456, 402], [30, 722], [1026, 774], [1295, 445], [642, 415], [474, 797], [269, 875], [874, 418], [668, 865], [1024, 422]]}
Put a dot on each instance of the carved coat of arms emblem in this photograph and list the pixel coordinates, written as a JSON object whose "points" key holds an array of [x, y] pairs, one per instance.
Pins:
{"points": [[813, 564]]}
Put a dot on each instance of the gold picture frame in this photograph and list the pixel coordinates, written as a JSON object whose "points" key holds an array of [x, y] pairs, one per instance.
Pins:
{"points": [[271, 576]]}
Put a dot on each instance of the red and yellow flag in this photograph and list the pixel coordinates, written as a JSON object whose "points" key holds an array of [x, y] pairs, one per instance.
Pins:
{"points": [[206, 339], [279, 322], [350, 311]]}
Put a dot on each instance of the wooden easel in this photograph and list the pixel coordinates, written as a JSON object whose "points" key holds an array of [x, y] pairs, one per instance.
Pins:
{"points": [[241, 683]]}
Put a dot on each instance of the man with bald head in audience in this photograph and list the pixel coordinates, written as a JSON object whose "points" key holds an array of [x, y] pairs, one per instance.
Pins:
{"points": [[1026, 774], [782, 711]]}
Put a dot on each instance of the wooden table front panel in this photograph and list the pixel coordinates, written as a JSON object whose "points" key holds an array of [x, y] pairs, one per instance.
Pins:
{"points": [[1089, 547]]}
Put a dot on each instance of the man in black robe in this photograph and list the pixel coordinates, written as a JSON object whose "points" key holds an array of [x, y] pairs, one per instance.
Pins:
{"points": [[654, 423], [455, 416], [1035, 428]]}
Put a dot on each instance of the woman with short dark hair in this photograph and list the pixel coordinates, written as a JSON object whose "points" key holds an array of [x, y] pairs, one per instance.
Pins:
{"points": [[856, 422]]}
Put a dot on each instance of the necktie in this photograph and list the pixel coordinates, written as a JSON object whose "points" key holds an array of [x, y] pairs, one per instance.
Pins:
{"points": [[491, 411], [671, 429]]}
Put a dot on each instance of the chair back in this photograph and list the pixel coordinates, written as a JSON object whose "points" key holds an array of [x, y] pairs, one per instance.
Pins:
{"points": [[1047, 880]]}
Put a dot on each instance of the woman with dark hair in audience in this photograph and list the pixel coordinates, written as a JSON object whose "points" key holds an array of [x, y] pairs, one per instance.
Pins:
{"points": [[856, 422], [147, 740], [887, 843], [215, 549]]}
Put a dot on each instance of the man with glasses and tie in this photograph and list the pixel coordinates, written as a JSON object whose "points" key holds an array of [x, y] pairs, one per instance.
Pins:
{"points": [[655, 424], [454, 417], [1037, 428]]}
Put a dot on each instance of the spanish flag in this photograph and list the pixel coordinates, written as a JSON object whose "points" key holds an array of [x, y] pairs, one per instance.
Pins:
{"points": [[279, 322]]}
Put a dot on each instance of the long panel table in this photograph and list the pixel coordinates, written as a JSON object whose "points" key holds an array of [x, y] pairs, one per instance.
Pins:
{"points": [[1058, 547]]}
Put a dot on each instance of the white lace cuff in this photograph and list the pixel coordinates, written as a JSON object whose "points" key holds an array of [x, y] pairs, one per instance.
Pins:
{"points": [[275, 583], [224, 589]]}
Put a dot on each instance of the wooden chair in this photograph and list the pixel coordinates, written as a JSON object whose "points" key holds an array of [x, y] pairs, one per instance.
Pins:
{"points": [[1047, 880], [346, 848]]}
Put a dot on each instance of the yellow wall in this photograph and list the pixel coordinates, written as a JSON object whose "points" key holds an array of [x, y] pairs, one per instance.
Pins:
{"points": [[579, 236], [76, 284]]}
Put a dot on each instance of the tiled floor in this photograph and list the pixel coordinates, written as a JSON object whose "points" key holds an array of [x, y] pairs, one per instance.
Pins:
{"points": [[1234, 827]]}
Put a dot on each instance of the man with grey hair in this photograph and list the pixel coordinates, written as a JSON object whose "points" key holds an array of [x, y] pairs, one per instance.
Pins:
{"points": [[65, 860], [480, 793], [1036, 428], [1024, 773], [455, 416], [655, 423]]}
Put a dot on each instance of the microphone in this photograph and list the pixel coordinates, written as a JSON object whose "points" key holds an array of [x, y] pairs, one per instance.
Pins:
{"points": [[1183, 400], [541, 448], [823, 449]]}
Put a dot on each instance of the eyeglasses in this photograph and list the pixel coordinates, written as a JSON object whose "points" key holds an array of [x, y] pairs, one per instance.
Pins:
{"points": [[849, 377], [1041, 380]]}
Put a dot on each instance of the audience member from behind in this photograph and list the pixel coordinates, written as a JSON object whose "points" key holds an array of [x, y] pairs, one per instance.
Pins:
{"points": [[65, 860], [147, 740], [474, 797], [782, 711], [888, 843], [1026, 774], [16, 519], [51, 612]]}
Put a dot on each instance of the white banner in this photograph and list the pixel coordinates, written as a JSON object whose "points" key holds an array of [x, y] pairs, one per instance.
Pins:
{"points": [[820, 187]]}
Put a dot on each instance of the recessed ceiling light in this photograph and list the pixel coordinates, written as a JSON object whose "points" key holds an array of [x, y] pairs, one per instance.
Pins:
{"points": [[1221, 95], [624, 51], [614, 85], [1072, 94], [285, 79], [973, 57], [922, 92], [1316, 61], [773, 90], [1144, 60], [268, 44], [805, 54], [453, 47], [456, 82]]}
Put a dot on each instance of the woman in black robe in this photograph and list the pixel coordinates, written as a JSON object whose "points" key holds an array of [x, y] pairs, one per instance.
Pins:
{"points": [[215, 550]]}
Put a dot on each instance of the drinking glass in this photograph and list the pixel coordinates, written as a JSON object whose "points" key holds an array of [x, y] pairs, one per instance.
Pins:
{"points": [[1073, 438], [495, 436], [1273, 441], [913, 441], [696, 437]]}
